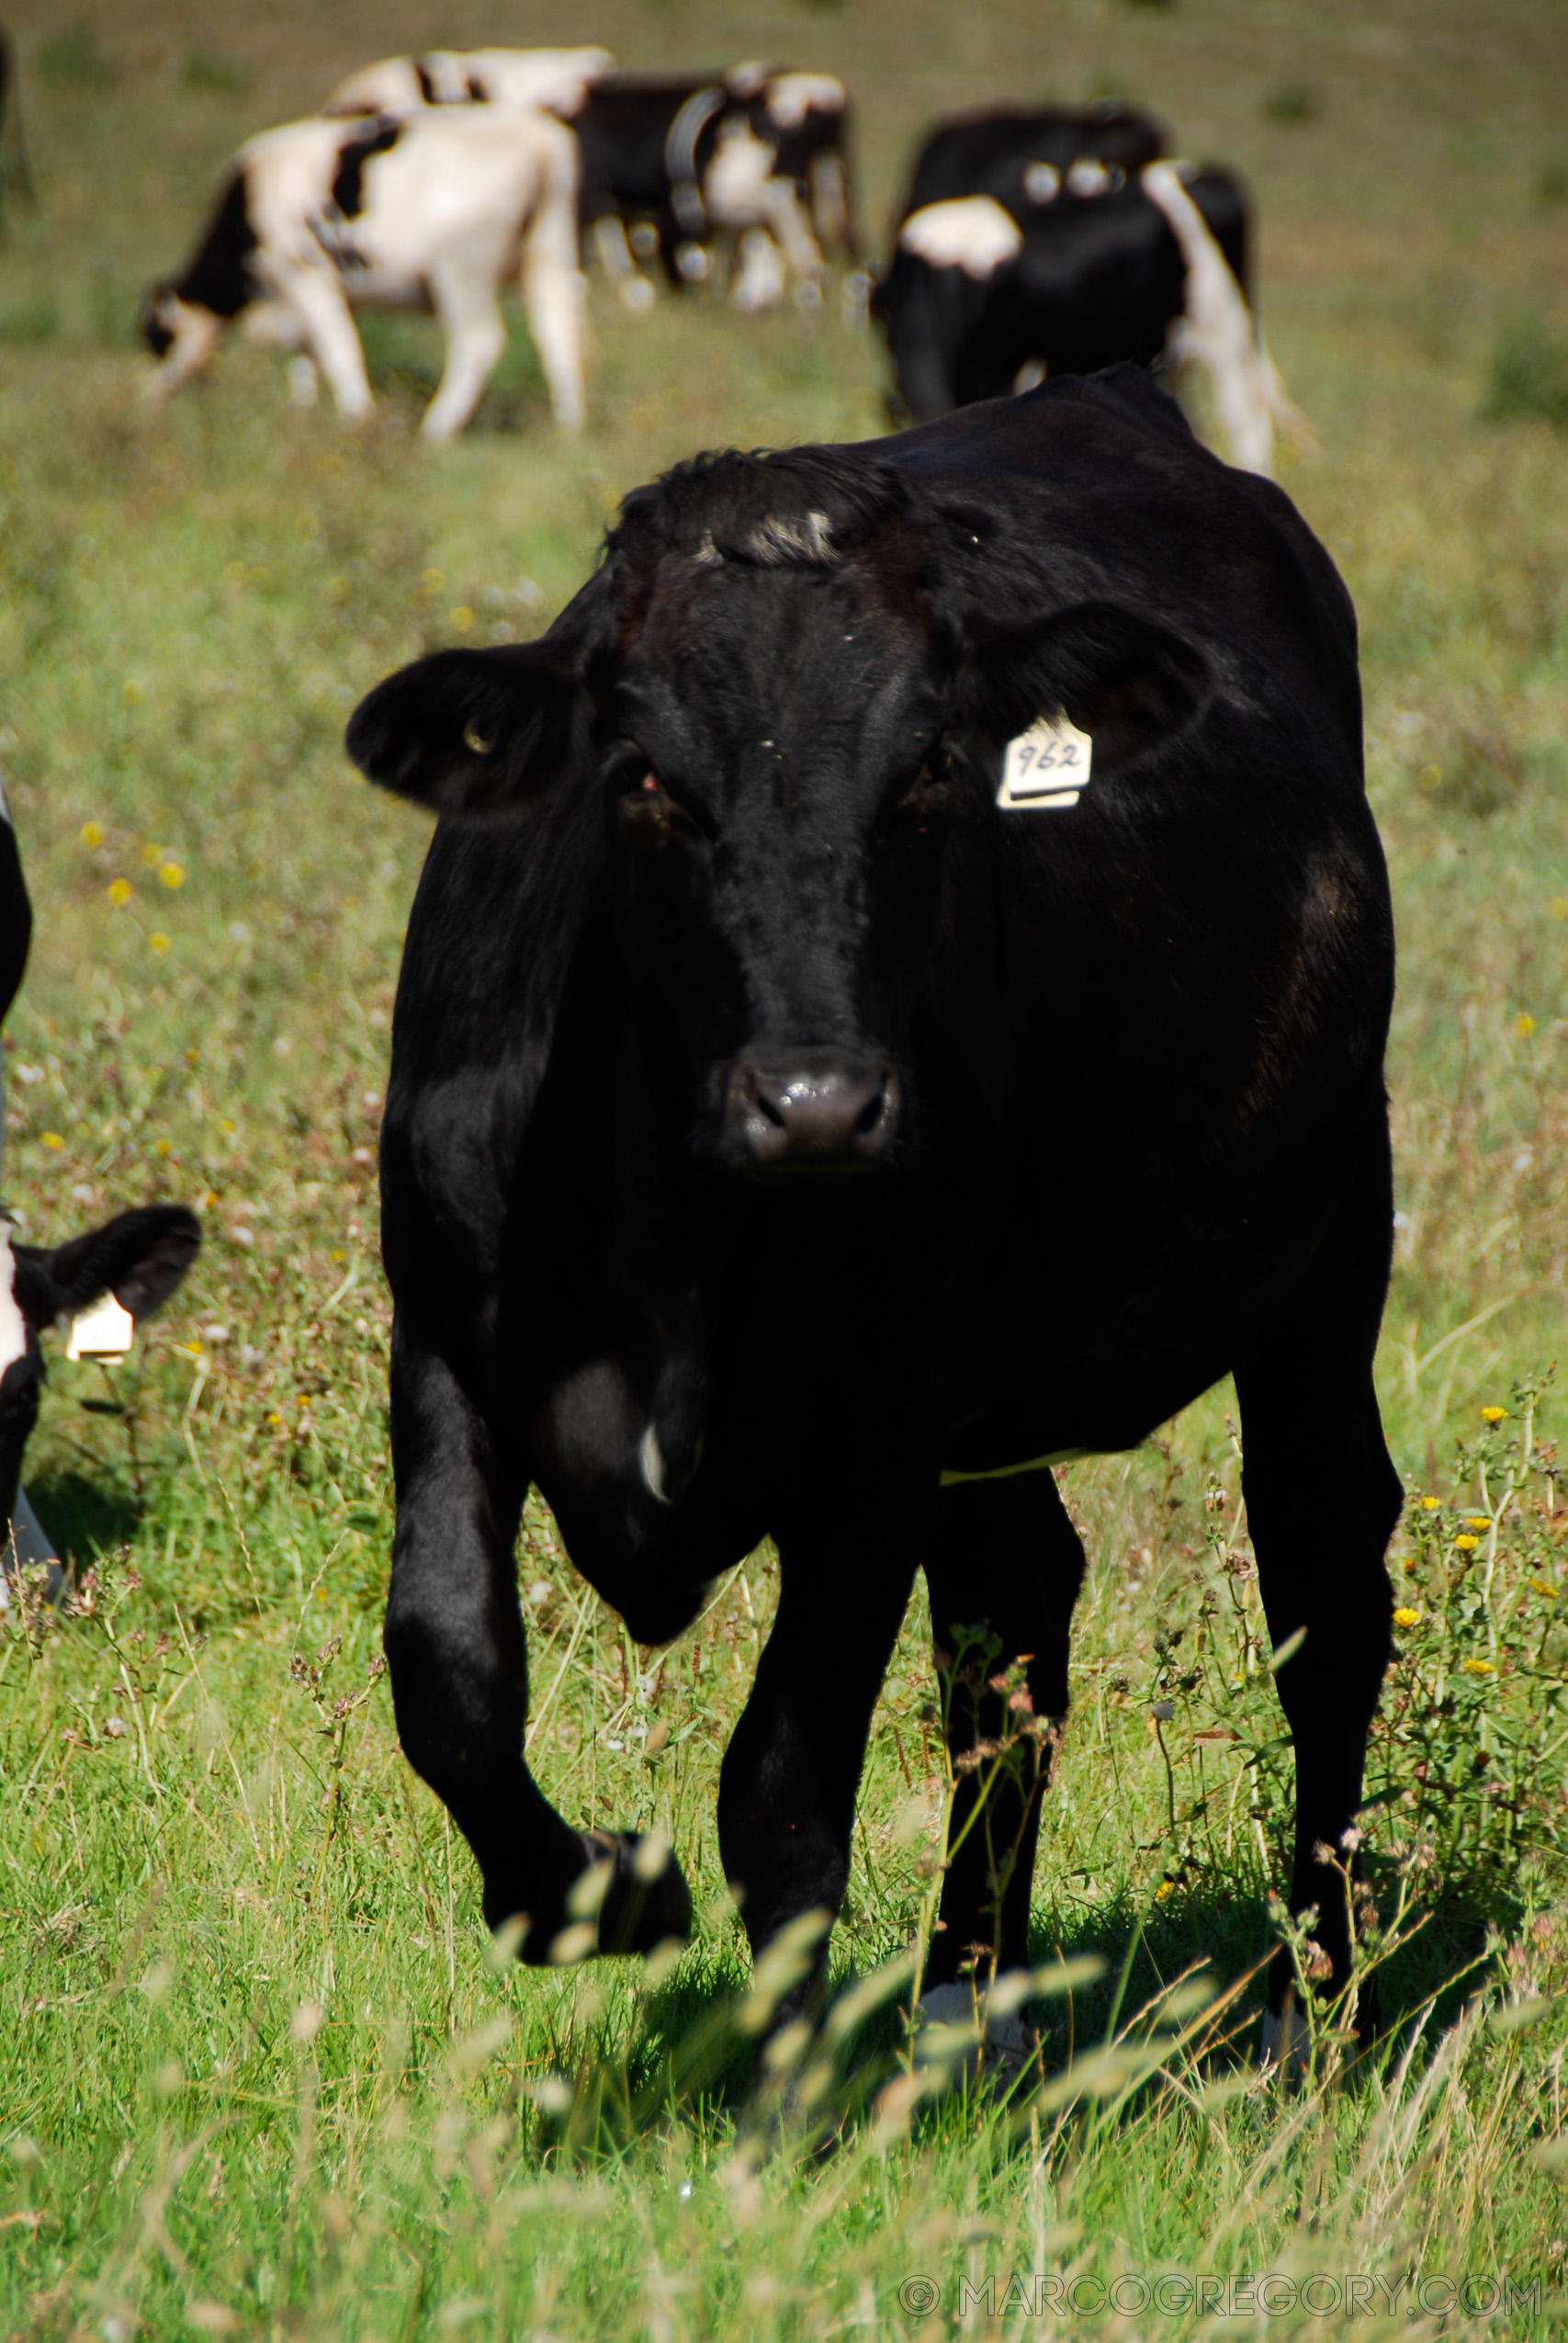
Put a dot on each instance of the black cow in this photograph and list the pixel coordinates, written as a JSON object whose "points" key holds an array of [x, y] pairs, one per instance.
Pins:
{"points": [[983, 292], [1020, 156], [785, 1136], [140, 1257]]}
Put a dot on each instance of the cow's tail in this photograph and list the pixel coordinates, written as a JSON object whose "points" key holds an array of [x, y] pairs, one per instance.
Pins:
{"points": [[552, 272], [1218, 334]]}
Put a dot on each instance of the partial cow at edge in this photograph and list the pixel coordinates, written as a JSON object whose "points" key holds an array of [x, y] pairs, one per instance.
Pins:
{"points": [[793, 1131], [434, 211], [140, 1257], [1063, 240]]}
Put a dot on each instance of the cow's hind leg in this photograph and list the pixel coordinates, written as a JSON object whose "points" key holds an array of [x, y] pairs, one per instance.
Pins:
{"points": [[1004, 1562], [456, 1645], [553, 298], [1322, 1501]]}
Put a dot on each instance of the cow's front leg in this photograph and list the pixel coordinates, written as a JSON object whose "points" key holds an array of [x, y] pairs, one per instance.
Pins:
{"points": [[456, 1647], [1004, 1565], [786, 1797], [327, 330], [474, 335]]}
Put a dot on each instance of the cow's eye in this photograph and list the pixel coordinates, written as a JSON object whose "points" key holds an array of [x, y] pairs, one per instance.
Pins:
{"points": [[651, 811]]}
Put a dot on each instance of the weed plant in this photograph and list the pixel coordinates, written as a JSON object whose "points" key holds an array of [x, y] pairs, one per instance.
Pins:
{"points": [[263, 2072]]}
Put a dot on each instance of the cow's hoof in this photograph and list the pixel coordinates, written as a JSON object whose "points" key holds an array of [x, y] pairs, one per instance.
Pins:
{"points": [[958, 2034], [645, 1899], [1287, 2041]]}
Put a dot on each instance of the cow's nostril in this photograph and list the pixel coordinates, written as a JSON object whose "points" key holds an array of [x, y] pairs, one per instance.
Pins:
{"points": [[820, 1111]]}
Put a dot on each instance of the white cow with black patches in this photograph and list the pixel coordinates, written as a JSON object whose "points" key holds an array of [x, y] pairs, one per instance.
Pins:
{"points": [[436, 211]]}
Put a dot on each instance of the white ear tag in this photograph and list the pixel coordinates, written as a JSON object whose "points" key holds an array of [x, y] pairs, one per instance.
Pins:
{"points": [[105, 1332], [1047, 766]]}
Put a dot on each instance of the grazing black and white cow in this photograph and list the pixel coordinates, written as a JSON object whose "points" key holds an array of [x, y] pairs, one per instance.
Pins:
{"points": [[436, 210], [682, 161], [896, 999], [1065, 266], [140, 1257], [808, 115], [556, 80]]}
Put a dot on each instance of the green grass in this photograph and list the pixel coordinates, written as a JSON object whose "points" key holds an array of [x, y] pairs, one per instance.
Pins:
{"points": [[260, 2075]]}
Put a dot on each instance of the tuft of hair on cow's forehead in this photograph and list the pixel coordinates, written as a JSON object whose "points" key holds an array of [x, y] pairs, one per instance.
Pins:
{"points": [[795, 508]]}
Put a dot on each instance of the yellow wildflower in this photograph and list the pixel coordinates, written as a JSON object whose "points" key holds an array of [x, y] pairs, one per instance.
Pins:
{"points": [[1479, 1520], [120, 890], [158, 939], [52, 1138], [1162, 1890], [461, 619], [1478, 1668], [1430, 1504], [1524, 1023], [92, 833], [1494, 1415], [170, 875], [1465, 1542], [1541, 1586], [1404, 1616]]}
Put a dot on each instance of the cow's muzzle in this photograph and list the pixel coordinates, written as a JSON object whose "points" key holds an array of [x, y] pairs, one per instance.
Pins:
{"points": [[816, 1110]]}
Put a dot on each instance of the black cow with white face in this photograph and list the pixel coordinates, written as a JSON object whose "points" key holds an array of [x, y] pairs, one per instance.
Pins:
{"points": [[140, 1257], [785, 1136]]}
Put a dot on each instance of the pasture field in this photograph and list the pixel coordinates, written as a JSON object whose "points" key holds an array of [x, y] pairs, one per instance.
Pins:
{"points": [[259, 2073]]}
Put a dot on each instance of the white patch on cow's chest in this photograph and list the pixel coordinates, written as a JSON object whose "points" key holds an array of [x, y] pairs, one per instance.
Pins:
{"points": [[13, 1325], [1046, 767]]}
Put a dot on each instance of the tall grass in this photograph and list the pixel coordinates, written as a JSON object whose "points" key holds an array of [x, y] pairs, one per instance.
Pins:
{"points": [[260, 2073]]}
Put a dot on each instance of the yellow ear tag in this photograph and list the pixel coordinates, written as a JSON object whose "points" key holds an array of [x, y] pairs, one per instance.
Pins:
{"points": [[105, 1332], [1046, 766]]}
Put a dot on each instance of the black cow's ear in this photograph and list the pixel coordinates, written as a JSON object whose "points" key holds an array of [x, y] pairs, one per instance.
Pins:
{"points": [[140, 1257], [1124, 679], [470, 732]]}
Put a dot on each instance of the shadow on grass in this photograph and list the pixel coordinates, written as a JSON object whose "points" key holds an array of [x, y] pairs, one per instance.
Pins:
{"points": [[85, 1517], [688, 2057], [404, 357]]}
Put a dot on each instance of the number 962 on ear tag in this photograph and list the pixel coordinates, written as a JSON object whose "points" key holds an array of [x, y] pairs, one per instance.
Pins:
{"points": [[1046, 766]]}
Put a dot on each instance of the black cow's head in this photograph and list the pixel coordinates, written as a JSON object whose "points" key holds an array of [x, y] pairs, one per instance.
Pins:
{"points": [[139, 1258], [783, 687]]}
